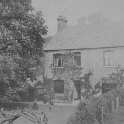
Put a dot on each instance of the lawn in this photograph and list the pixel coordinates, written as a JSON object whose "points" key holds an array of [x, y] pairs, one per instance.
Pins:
{"points": [[117, 117], [58, 115]]}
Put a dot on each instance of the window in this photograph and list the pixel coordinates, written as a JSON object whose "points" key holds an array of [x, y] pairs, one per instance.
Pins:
{"points": [[58, 60], [77, 59], [108, 58]]}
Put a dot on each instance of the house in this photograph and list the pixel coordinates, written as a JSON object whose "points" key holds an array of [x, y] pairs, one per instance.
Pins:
{"points": [[98, 45]]}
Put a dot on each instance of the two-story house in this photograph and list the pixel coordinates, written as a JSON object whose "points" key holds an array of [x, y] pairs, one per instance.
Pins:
{"points": [[97, 45]]}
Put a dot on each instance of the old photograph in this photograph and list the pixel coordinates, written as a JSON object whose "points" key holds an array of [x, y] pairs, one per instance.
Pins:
{"points": [[61, 62]]}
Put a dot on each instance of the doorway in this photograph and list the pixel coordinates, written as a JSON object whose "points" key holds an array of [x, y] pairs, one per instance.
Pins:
{"points": [[59, 86]]}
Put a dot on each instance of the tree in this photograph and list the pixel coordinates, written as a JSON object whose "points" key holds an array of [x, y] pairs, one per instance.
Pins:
{"points": [[12, 5], [21, 39]]}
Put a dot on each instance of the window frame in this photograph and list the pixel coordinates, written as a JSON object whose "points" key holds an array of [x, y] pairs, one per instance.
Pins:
{"points": [[76, 54], [56, 60], [105, 59]]}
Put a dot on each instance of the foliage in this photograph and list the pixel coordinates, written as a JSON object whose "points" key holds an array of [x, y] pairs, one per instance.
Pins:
{"points": [[27, 93], [86, 80], [21, 41], [97, 88], [3, 88], [113, 81], [86, 84], [73, 72], [12, 5], [70, 69], [82, 116], [98, 109]]}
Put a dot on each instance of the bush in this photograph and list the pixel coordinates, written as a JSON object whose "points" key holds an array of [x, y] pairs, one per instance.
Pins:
{"points": [[4, 99], [82, 115], [43, 97], [14, 97], [27, 94]]}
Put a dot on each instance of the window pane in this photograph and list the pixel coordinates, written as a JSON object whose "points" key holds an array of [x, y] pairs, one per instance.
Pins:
{"points": [[58, 60], [108, 58], [77, 59]]}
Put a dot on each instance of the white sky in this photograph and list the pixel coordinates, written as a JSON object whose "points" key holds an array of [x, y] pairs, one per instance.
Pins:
{"points": [[74, 9]]}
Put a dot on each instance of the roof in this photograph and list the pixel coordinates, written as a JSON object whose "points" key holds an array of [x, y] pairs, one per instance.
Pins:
{"points": [[47, 40], [93, 35]]}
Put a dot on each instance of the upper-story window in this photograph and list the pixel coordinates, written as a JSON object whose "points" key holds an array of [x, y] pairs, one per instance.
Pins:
{"points": [[109, 58], [58, 60], [77, 58]]}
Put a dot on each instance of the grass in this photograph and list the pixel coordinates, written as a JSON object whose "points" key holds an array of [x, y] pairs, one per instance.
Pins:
{"points": [[117, 117], [58, 114], [61, 113]]}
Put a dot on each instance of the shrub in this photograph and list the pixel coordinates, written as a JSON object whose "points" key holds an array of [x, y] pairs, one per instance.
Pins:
{"points": [[27, 94], [82, 115]]}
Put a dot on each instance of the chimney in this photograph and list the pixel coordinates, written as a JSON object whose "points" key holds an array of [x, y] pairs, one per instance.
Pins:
{"points": [[62, 23]]}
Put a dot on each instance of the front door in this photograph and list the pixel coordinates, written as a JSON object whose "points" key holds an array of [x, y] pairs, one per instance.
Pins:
{"points": [[59, 86]]}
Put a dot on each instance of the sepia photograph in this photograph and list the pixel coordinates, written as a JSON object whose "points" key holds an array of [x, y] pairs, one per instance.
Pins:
{"points": [[61, 61]]}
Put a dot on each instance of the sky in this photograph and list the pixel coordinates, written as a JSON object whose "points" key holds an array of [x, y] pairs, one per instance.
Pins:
{"points": [[75, 9]]}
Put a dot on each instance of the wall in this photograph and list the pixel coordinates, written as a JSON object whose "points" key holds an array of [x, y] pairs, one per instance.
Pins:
{"points": [[48, 62], [93, 60]]}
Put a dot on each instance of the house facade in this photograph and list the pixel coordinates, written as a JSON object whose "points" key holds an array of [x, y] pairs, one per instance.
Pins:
{"points": [[97, 45]]}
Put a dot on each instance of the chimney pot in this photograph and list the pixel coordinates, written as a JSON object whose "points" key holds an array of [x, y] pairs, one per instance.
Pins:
{"points": [[62, 23]]}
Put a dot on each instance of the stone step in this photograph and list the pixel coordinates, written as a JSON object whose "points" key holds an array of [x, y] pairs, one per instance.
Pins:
{"points": [[59, 96]]}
